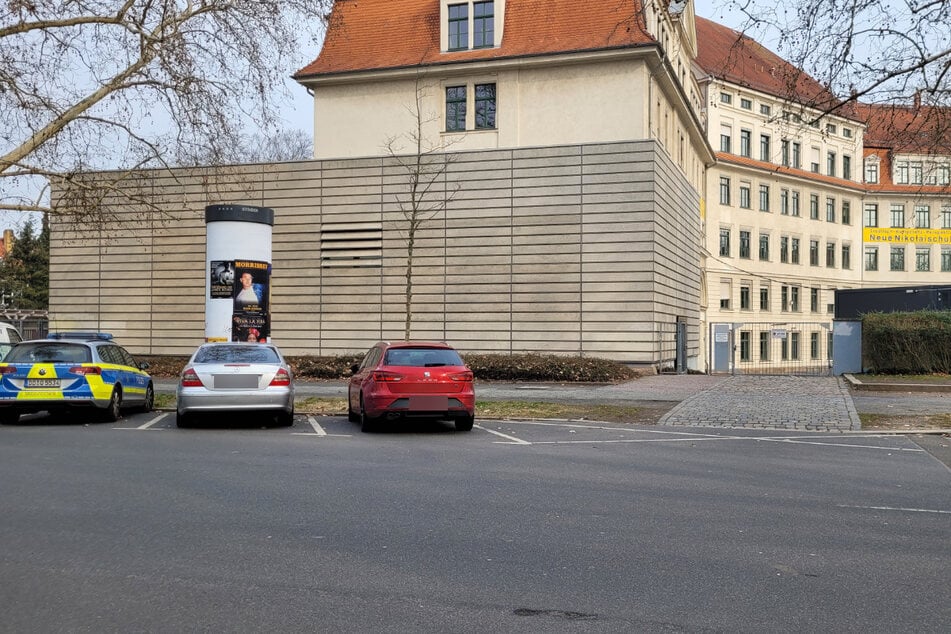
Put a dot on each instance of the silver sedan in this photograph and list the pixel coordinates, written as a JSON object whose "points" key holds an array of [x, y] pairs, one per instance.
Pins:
{"points": [[236, 377]]}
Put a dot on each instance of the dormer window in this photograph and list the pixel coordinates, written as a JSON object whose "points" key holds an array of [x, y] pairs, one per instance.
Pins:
{"points": [[459, 35]]}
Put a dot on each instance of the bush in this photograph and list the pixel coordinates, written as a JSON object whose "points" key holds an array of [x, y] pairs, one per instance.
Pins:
{"points": [[487, 367], [907, 343]]}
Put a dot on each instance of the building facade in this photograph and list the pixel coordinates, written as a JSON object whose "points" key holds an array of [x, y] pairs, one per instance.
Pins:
{"points": [[642, 185]]}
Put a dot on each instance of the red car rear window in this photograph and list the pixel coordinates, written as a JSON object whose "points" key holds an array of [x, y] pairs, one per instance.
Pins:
{"points": [[422, 357]]}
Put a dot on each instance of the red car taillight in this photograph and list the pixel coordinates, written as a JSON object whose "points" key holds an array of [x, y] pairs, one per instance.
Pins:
{"points": [[85, 369], [8, 369], [190, 379], [462, 377], [382, 376], [281, 379]]}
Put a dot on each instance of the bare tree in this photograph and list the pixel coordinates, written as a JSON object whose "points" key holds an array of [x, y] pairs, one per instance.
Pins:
{"points": [[129, 84], [282, 145], [871, 51], [427, 191]]}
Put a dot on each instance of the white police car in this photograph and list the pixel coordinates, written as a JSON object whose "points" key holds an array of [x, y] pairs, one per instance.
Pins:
{"points": [[69, 371]]}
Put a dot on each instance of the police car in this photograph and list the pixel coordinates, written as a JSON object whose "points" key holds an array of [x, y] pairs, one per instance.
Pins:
{"points": [[69, 371]]}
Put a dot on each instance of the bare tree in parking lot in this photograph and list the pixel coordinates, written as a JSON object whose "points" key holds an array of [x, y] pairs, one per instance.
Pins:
{"points": [[121, 85], [426, 193]]}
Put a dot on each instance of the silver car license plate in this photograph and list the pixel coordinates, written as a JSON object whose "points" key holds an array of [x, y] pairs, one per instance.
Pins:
{"points": [[42, 382], [237, 381]]}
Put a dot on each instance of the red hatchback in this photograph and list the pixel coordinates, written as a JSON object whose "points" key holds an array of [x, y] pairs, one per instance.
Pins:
{"points": [[411, 378]]}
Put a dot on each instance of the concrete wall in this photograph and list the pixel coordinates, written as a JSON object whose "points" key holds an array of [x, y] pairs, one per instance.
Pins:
{"points": [[578, 249]]}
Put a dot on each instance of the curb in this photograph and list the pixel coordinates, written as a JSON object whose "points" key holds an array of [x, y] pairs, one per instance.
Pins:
{"points": [[858, 385]]}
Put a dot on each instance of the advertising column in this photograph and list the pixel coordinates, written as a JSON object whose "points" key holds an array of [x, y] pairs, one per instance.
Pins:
{"points": [[238, 248]]}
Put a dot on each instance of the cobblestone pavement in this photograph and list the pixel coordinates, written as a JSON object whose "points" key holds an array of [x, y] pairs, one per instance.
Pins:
{"points": [[770, 402]]}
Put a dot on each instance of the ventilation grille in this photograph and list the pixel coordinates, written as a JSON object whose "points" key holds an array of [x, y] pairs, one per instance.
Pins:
{"points": [[351, 244]]}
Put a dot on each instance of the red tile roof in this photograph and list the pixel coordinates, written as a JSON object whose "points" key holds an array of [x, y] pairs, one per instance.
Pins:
{"points": [[387, 34], [907, 129], [734, 57]]}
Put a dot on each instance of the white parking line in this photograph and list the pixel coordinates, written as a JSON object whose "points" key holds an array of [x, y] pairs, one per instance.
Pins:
{"points": [[893, 508], [512, 439], [148, 424], [317, 428]]}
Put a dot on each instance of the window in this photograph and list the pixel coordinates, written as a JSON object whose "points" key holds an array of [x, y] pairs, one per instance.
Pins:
{"points": [[814, 300], [784, 152], [745, 343], [846, 212], [746, 104], [764, 247], [485, 106], [946, 259], [830, 164], [795, 203], [946, 217], [814, 164], [744, 297], [764, 109], [455, 108], [897, 260], [922, 216], [814, 253], [726, 137], [923, 259], [796, 154], [764, 346], [784, 298], [784, 249], [871, 215], [846, 167], [745, 245], [794, 299], [784, 202], [871, 258], [726, 97], [726, 292], [901, 172], [764, 147], [846, 256], [871, 171], [830, 254], [814, 206], [725, 242], [944, 174], [745, 195], [724, 190], [830, 209], [916, 173], [483, 25], [814, 345], [458, 27], [898, 216], [764, 297], [795, 250], [764, 197], [746, 140], [830, 128], [847, 133]]}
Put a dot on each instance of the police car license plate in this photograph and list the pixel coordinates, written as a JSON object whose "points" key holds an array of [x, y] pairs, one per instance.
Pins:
{"points": [[42, 382]]}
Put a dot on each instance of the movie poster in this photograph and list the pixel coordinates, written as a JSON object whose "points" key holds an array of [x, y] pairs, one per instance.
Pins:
{"points": [[251, 292], [221, 279]]}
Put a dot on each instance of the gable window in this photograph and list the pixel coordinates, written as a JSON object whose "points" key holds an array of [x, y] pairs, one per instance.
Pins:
{"points": [[485, 105], [458, 27], [871, 171], [483, 24], [455, 108]]}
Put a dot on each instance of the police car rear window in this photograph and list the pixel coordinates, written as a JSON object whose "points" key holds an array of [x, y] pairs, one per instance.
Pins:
{"points": [[49, 352]]}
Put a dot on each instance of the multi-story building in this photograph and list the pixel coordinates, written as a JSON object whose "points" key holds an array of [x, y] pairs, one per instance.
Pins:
{"points": [[634, 183]]}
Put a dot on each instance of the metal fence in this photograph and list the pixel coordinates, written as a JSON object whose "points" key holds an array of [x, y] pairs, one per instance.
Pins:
{"points": [[33, 324], [800, 348]]}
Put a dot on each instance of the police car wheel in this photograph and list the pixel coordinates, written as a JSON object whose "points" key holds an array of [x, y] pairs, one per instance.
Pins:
{"points": [[114, 410]]}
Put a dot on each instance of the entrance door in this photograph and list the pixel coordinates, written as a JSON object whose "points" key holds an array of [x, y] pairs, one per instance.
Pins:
{"points": [[722, 348]]}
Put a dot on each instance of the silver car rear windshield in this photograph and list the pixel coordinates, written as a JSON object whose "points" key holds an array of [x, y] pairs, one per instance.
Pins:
{"points": [[422, 357], [236, 354], [49, 352]]}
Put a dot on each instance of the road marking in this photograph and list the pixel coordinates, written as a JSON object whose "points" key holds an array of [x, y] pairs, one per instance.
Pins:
{"points": [[317, 428], [893, 508], [512, 439], [148, 424]]}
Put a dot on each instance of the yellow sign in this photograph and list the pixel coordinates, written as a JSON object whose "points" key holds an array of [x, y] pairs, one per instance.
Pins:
{"points": [[907, 236]]}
